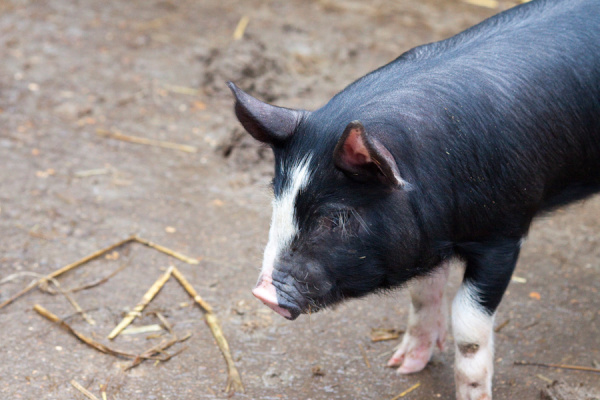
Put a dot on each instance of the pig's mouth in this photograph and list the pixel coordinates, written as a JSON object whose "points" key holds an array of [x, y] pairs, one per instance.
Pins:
{"points": [[279, 300]]}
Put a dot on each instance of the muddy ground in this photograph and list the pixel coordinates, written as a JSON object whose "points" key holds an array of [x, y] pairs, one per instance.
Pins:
{"points": [[157, 69]]}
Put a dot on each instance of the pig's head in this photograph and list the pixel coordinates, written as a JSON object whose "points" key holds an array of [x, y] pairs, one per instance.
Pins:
{"points": [[338, 199]]}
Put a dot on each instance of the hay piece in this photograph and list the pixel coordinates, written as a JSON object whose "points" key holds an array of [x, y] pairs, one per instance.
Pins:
{"points": [[146, 141], [234, 380], [66, 268], [147, 298]]}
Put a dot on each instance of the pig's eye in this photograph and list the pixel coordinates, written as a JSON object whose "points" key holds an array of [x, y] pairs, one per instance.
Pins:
{"points": [[338, 221]]}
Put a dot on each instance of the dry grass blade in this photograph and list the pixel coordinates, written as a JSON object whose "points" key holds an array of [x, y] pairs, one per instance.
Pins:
{"points": [[165, 250], [381, 334], [561, 366], [407, 391], [66, 268], [147, 298], [234, 380], [146, 141], [83, 390], [89, 341], [240, 29], [181, 89], [493, 4]]}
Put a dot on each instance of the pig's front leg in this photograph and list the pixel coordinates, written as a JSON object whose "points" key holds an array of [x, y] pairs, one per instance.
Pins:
{"points": [[487, 274], [426, 323]]}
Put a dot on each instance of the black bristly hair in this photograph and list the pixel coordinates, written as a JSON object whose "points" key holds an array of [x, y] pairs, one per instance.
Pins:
{"points": [[488, 129]]}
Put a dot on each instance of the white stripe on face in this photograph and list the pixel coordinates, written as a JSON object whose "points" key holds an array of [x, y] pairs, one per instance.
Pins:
{"points": [[283, 222]]}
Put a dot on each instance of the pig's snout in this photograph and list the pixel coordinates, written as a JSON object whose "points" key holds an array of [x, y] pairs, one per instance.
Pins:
{"points": [[266, 292]]}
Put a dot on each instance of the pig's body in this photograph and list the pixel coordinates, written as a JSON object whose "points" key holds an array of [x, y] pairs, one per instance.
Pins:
{"points": [[448, 151]]}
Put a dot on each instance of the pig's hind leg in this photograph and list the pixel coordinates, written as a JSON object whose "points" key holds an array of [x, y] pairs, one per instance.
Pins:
{"points": [[488, 271], [427, 324]]}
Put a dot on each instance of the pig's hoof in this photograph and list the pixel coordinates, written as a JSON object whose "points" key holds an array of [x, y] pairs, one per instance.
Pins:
{"points": [[415, 351], [411, 358]]}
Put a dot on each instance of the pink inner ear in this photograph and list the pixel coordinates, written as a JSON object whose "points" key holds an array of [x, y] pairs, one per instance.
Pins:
{"points": [[355, 151]]}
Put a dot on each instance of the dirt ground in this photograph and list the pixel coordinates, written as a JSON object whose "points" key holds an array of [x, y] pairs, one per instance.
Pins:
{"points": [[157, 69]]}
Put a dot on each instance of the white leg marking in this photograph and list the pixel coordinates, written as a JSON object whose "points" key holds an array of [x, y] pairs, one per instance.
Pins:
{"points": [[474, 345], [426, 323], [283, 222]]}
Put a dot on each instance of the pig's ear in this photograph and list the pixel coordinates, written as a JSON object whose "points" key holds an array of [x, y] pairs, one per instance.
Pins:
{"points": [[364, 158], [266, 123]]}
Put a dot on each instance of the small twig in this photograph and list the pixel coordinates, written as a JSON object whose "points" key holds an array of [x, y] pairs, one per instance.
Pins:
{"points": [[83, 390], [147, 298], [407, 391], [87, 340], [146, 141], [364, 354], [502, 325], [97, 254], [165, 250], [137, 358], [561, 366], [234, 381], [66, 268], [92, 256]]}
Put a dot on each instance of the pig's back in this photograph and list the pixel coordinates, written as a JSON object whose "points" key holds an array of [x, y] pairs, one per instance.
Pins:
{"points": [[508, 110]]}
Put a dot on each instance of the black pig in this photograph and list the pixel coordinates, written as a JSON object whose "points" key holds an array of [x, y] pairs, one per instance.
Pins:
{"points": [[447, 152]]}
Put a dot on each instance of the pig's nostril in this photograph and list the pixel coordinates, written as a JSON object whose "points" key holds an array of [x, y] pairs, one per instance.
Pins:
{"points": [[267, 294]]}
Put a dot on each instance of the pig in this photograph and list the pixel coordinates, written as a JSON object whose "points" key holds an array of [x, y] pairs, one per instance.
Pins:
{"points": [[447, 152]]}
